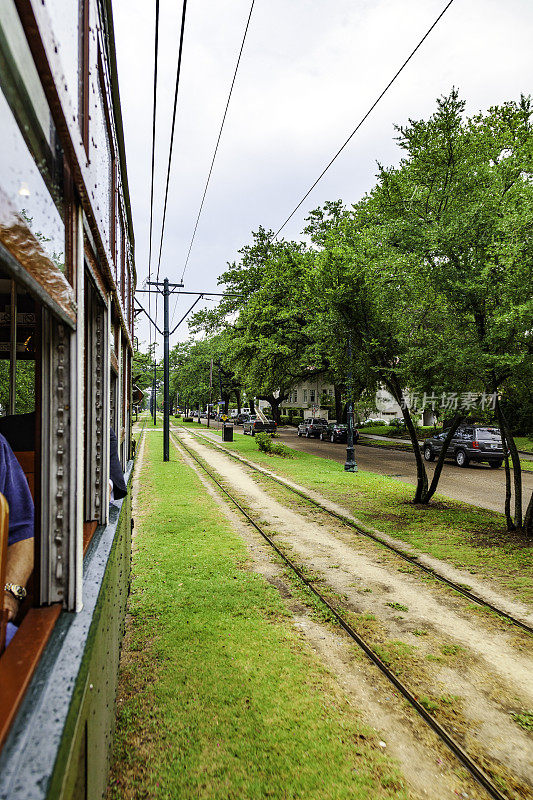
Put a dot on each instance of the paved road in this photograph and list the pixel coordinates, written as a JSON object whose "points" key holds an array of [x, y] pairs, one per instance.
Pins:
{"points": [[477, 483]]}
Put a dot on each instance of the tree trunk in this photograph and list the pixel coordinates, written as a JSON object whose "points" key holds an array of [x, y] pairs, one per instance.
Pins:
{"points": [[509, 443], [337, 389], [238, 400], [274, 405], [440, 463], [252, 406], [507, 503], [421, 474], [517, 474], [528, 519]]}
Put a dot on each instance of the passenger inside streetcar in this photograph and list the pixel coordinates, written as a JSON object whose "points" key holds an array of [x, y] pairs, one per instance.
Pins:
{"points": [[117, 484], [18, 333], [20, 550]]}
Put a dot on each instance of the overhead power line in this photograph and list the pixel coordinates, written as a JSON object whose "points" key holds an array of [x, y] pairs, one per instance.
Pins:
{"points": [[372, 107], [154, 110], [218, 139], [178, 71]]}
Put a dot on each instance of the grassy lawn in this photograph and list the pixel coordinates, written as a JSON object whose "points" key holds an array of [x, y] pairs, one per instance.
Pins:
{"points": [[524, 443], [384, 430], [219, 697], [468, 537]]}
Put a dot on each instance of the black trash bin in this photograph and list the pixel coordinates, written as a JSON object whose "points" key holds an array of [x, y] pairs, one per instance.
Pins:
{"points": [[227, 433]]}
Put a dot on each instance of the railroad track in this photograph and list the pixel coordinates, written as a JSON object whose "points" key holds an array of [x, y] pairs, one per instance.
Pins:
{"points": [[413, 560], [466, 760]]}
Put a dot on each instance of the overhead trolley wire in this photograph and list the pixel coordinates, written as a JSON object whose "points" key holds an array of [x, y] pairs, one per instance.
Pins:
{"points": [[154, 112], [372, 107], [178, 71], [215, 153], [219, 137]]}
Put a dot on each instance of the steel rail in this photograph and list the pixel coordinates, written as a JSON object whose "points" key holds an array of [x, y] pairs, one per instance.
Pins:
{"points": [[413, 560], [477, 773]]}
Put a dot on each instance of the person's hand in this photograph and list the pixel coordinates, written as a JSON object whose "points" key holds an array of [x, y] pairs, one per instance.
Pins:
{"points": [[11, 605]]}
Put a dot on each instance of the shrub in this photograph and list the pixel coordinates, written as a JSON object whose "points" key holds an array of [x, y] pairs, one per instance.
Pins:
{"points": [[266, 445], [280, 449], [188, 419]]}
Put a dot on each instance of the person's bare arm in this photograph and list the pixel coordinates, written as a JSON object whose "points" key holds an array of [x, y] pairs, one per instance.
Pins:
{"points": [[18, 569]]}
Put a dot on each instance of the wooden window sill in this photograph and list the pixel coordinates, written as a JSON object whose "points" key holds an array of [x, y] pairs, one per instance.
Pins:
{"points": [[20, 659], [88, 533]]}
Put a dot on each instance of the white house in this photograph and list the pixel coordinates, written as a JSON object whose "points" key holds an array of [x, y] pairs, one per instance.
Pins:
{"points": [[306, 397]]}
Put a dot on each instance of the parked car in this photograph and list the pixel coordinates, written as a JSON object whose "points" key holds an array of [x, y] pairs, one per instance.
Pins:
{"points": [[240, 418], [335, 432], [312, 427], [468, 444], [254, 425]]}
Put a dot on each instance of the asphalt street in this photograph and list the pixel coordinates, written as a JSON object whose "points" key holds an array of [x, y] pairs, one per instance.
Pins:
{"points": [[477, 484]]}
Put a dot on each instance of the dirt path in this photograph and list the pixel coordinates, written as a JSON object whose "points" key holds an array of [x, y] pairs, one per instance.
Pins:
{"points": [[480, 587], [473, 678]]}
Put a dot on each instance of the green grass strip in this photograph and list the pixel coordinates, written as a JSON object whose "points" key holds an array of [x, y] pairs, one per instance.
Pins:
{"points": [[219, 697]]}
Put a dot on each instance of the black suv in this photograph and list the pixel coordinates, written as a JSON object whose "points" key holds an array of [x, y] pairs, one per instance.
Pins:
{"points": [[468, 444], [336, 432]]}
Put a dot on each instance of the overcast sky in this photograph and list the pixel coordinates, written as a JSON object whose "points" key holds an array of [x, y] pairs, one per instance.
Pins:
{"points": [[309, 71]]}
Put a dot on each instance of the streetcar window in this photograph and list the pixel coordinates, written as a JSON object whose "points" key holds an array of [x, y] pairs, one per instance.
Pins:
{"points": [[18, 341], [17, 349], [38, 362], [33, 204], [29, 138], [21, 81]]}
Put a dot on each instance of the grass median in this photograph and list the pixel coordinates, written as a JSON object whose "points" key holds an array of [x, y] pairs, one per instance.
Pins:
{"points": [[470, 538], [219, 697]]}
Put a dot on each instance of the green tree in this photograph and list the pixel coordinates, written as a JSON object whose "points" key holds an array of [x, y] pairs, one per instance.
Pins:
{"points": [[269, 320], [459, 208]]}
